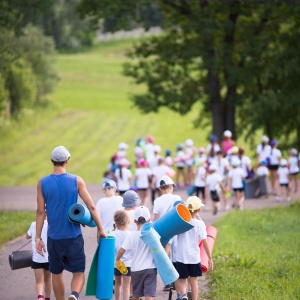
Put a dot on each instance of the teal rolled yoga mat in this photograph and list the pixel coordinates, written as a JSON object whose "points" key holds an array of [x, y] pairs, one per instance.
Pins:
{"points": [[175, 221], [101, 274], [163, 263], [79, 213]]}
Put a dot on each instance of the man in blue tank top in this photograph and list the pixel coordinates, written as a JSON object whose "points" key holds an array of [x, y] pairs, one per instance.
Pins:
{"points": [[57, 192]]}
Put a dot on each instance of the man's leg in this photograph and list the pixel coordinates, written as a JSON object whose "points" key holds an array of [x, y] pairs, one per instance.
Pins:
{"points": [[58, 286]]}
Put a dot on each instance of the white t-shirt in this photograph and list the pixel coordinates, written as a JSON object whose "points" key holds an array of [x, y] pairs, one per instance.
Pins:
{"points": [[293, 162], [245, 164], [142, 258], [149, 151], [262, 171], [31, 232], [187, 247], [169, 161], [237, 175], [124, 182], [159, 172], [263, 153], [180, 158], [212, 180], [142, 177], [164, 203], [200, 177], [120, 236], [275, 156], [210, 158], [132, 225], [283, 174], [189, 154], [222, 165], [106, 208]]}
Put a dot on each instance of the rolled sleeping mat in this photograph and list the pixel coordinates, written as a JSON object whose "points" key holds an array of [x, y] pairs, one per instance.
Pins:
{"points": [[79, 213], [20, 259], [163, 263], [175, 221], [211, 236], [101, 274]]}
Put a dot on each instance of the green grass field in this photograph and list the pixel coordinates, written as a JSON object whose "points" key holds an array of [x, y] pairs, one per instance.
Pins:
{"points": [[256, 255], [90, 113]]}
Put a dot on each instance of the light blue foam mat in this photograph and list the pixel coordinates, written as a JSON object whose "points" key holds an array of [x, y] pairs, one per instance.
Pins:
{"points": [[163, 263], [79, 213], [101, 274], [171, 224]]}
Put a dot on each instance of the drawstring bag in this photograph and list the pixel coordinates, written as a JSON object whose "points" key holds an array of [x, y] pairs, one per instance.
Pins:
{"points": [[20, 259]]}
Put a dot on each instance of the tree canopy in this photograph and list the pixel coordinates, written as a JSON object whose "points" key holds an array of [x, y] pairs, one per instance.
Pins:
{"points": [[238, 58]]}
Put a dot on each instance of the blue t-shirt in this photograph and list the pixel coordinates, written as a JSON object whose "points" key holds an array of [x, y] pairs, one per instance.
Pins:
{"points": [[60, 192]]}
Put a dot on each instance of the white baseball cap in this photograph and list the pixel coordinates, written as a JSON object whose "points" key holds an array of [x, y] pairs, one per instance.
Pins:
{"points": [[166, 180], [60, 154], [283, 162], [142, 214], [227, 133], [189, 142], [265, 139], [122, 146]]}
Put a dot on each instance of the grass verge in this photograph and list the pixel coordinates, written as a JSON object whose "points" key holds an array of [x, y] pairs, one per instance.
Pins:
{"points": [[14, 224], [256, 255]]}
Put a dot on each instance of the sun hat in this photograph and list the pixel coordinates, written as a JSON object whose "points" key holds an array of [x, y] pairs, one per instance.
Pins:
{"points": [[265, 139], [166, 180], [108, 184], [193, 203], [212, 167], [150, 139], [60, 154], [283, 162], [189, 142], [227, 133], [130, 199], [141, 214]]}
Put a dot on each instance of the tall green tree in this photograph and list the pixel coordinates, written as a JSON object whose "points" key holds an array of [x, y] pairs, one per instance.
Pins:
{"points": [[218, 53]]}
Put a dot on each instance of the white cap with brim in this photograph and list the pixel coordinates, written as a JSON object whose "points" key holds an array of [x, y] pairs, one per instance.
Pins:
{"points": [[60, 154], [142, 214], [108, 184], [166, 180]]}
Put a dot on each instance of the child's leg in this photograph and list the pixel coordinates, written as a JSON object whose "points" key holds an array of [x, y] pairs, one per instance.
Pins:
{"points": [[241, 196], [181, 284], [48, 283], [126, 287], [39, 281], [194, 286], [118, 287]]}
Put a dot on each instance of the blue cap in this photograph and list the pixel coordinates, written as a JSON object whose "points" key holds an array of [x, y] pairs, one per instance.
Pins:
{"points": [[168, 152], [213, 138]]}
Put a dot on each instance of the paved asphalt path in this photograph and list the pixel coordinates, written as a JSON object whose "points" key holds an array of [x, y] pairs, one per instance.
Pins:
{"points": [[20, 284]]}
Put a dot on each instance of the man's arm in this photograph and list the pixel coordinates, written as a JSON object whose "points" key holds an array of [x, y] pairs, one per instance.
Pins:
{"points": [[86, 197], [208, 253], [40, 217]]}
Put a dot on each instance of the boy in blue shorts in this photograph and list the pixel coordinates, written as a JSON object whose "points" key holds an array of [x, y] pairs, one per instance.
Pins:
{"points": [[188, 251], [143, 268]]}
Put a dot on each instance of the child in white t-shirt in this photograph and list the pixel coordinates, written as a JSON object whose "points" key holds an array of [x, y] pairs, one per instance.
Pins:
{"points": [[40, 264], [108, 205], [142, 179], [283, 173], [214, 186], [143, 268], [130, 203], [123, 176], [188, 262], [121, 231], [180, 172], [235, 181], [262, 173], [200, 177], [293, 163], [166, 201]]}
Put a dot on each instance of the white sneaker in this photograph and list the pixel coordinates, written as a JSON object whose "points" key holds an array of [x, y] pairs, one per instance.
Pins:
{"points": [[72, 297], [278, 199]]}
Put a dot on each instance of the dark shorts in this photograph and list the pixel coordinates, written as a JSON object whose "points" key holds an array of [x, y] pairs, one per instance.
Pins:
{"points": [[295, 173], [142, 189], [118, 273], [186, 270], [284, 184], [199, 190], [214, 196], [273, 167], [36, 265], [239, 189], [144, 283], [66, 254], [180, 168]]}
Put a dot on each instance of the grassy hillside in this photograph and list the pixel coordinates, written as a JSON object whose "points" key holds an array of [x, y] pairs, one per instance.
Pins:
{"points": [[90, 114]]}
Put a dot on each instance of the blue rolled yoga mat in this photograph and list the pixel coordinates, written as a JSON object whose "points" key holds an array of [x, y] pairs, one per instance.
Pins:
{"points": [[79, 213], [163, 263], [101, 274], [175, 221]]}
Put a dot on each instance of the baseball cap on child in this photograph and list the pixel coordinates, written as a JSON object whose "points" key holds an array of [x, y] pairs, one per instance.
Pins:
{"points": [[193, 203], [130, 199], [212, 167], [283, 162], [166, 180], [60, 154], [142, 214], [108, 184]]}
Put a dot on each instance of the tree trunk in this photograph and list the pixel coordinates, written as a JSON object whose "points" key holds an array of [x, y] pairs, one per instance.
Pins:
{"points": [[230, 110]]}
